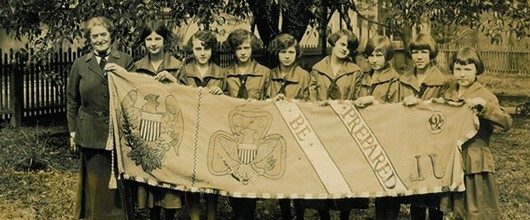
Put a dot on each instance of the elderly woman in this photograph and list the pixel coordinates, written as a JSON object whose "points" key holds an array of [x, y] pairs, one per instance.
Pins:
{"points": [[87, 114]]}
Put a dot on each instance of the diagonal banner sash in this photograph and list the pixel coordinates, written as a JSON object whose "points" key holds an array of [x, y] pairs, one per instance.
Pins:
{"points": [[177, 137], [313, 148], [370, 147]]}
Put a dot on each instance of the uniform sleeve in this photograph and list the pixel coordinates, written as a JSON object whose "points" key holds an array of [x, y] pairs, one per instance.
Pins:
{"points": [[495, 114], [129, 64], [181, 76], [356, 86], [392, 95], [265, 86], [224, 84], [314, 90], [303, 94], [73, 98], [266, 89]]}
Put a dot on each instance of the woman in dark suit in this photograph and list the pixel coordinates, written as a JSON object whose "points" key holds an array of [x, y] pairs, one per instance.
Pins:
{"points": [[87, 114]]}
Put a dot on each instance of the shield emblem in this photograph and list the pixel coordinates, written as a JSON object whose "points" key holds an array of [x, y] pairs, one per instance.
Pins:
{"points": [[247, 152], [150, 126]]}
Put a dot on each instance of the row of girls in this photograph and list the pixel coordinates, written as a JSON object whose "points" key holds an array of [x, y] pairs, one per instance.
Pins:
{"points": [[335, 77]]}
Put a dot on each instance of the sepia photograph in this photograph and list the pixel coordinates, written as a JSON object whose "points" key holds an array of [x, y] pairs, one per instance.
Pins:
{"points": [[264, 109]]}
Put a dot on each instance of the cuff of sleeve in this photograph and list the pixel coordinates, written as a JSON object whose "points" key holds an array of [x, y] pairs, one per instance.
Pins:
{"points": [[484, 110]]}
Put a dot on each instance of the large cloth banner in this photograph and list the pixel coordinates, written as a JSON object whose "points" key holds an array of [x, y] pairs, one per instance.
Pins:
{"points": [[183, 138]]}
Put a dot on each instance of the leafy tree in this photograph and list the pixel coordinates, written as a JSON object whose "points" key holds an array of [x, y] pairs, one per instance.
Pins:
{"points": [[49, 22]]}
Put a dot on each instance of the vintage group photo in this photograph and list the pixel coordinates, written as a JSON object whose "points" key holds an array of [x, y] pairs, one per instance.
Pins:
{"points": [[271, 109]]}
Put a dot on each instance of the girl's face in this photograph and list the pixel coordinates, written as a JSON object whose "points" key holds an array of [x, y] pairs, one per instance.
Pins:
{"points": [[154, 43], [244, 51], [377, 60], [100, 39], [465, 74], [201, 53], [287, 56], [340, 50], [421, 58]]}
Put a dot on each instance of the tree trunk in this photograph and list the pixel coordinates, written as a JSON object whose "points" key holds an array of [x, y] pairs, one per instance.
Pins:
{"points": [[266, 17], [296, 16]]}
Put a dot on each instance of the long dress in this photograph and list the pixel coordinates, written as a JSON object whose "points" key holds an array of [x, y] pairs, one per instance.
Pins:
{"points": [[481, 198]]}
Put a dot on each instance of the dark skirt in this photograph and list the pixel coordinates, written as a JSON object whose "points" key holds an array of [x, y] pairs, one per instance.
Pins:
{"points": [[95, 199]]}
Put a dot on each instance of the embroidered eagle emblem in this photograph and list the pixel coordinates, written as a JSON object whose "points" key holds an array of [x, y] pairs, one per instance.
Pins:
{"points": [[247, 152], [151, 126]]}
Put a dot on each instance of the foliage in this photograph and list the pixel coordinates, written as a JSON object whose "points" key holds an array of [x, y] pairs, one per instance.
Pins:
{"points": [[53, 22], [34, 149], [496, 18], [28, 191]]}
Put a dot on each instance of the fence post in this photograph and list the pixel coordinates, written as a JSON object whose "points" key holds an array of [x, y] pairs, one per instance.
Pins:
{"points": [[16, 80]]}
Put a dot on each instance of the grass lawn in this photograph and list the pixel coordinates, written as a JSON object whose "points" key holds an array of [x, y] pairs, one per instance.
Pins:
{"points": [[510, 84], [39, 176]]}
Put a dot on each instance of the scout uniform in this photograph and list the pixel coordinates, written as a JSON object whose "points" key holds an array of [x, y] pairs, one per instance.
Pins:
{"points": [[169, 64], [294, 85], [87, 96], [150, 196], [481, 199], [251, 84], [383, 87], [189, 75], [325, 85], [214, 76], [432, 87]]}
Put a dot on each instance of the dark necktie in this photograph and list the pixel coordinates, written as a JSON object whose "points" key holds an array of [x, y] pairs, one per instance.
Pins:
{"points": [[201, 83], [333, 90], [423, 87], [102, 62], [242, 93], [283, 85]]}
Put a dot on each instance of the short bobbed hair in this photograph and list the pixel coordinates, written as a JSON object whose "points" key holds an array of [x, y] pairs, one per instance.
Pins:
{"points": [[157, 27], [465, 56], [282, 42], [238, 36], [423, 42], [379, 44], [209, 41], [353, 42], [98, 21]]}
